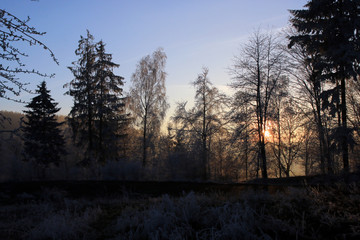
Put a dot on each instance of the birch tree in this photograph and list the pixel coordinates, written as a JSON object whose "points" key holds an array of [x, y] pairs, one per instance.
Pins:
{"points": [[148, 100]]}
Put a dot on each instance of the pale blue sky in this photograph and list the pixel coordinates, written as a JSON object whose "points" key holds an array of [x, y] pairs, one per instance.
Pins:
{"points": [[193, 34]]}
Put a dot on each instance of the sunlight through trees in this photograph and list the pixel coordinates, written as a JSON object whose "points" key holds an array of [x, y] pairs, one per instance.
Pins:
{"points": [[294, 109]]}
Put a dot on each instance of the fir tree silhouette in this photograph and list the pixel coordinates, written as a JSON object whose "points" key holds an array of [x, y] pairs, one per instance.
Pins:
{"points": [[43, 141]]}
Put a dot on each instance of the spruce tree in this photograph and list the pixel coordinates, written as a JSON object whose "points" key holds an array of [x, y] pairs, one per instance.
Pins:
{"points": [[82, 89], [98, 117], [331, 28], [43, 141], [110, 117]]}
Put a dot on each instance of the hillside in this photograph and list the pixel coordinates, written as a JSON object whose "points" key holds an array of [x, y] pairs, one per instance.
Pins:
{"points": [[11, 120]]}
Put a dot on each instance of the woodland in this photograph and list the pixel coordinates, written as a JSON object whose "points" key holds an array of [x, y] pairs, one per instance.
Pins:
{"points": [[278, 159], [294, 111]]}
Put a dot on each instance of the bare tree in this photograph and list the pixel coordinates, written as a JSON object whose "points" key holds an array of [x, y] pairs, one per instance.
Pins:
{"points": [[148, 97], [307, 76], [354, 102], [12, 31], [204, 119], [258, 71], [310, 149], [287, 136], [241, 116], [354, 119], [278, 104]]}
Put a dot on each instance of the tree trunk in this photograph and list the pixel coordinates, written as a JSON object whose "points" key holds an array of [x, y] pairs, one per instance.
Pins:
{"points": [[145, 140], [261, 129], [204, 137], [288, 162], [101, 149], [263, 159], [204, 153], [261, 125], [306, 159], [345, 149], [90, 133], [279, 143], [246, 154], [324, 151]]}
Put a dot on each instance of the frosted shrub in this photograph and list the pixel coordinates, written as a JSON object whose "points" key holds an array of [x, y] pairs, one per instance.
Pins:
{"points": [[189, 217], [297, 214], [160, 221], [64, 224], [235, 220], [54, 218], [188, 208]]}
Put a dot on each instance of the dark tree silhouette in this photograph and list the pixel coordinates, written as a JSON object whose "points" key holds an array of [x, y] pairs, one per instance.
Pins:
{"points": [[82, 89], [204, 119], [98, 119], [240, 115], [306, 70], [331, 28], [111, 119], [258, 71], [43, 141]]}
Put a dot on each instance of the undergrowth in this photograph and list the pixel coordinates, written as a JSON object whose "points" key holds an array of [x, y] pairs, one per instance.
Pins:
{"points": [[311, 213]]}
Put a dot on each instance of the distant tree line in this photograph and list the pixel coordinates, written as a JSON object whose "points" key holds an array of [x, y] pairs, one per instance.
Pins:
{"points": [[295, 109]]}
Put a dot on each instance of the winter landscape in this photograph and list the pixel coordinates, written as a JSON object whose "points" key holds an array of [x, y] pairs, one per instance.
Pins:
{"points": [[188, 120]]}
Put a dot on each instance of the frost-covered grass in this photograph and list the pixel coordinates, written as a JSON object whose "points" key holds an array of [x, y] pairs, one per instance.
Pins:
{"points": [[50, 217], [299, 214], [312, 213]]}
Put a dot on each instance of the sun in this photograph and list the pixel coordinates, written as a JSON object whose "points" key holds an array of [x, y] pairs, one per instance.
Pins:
{"points": [[267, 134]]}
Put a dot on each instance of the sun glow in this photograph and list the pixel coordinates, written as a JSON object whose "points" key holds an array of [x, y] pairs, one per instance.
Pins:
{"points": [[267, 130], [267, 134]]}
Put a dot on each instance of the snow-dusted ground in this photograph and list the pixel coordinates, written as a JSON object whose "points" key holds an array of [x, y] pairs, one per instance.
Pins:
{"points": [[331, 213]]}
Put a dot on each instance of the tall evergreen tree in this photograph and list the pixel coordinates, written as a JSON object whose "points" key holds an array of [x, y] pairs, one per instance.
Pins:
{"points": [[331, 27], [111, 119], [81, 88], [44, 143], [98, 117]]}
